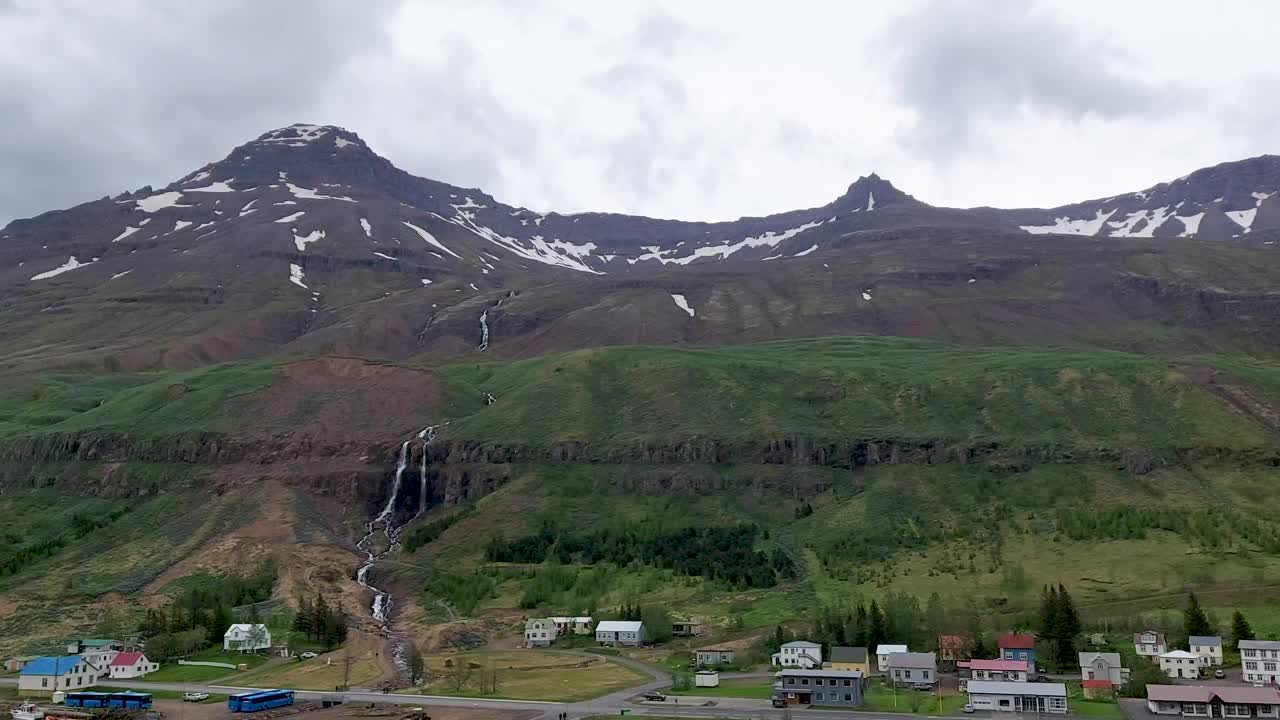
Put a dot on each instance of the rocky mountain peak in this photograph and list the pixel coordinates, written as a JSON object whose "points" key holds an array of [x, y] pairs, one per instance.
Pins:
{"points": [[869, 192]]}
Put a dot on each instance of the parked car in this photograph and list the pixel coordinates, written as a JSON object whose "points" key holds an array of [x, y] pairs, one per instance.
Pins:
{"points": [[1219, 673], [779, 702], [655, 696], [968, 708], [195, 696], [307, 655], [922, 686]]}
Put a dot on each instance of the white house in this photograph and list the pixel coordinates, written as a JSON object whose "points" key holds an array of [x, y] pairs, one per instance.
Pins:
{"points": [[540, 632], [246, 637], [998, 670], [579, 625], [1103, 666], [1180, 664], [1216, 701], [799, 654], [1259, 659], [47, 675], [1149, 643], [882, 655], [1018, 697], [1208, 647], [621, 632], [127, 665]]}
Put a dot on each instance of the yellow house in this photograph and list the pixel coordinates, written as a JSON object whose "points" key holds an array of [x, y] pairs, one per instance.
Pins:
{"points": [[850, 658]]}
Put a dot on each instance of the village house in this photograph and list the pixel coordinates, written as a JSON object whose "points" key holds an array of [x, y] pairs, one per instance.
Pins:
{"points": [[47, 675], [798, 654], [630, 633], [1018, 697], [1180, 664], [711, 657], [1219, 701], [882, 655], [580, 625], [828, 688], [1258, 658], [1208, 647], [246, 637], [913, 668], [1149, 643], [991, 671], [1016, 646], [15, 664], [98, 652], [1103, 666], [540, 632], [952, 649], [687, 628], [127, 665], [850, 658]]}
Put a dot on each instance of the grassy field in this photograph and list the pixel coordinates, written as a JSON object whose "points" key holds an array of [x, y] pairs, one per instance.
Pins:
{"points": [[527, 675], [316, 673], [879, 698], [174, 672], [740, 687]]}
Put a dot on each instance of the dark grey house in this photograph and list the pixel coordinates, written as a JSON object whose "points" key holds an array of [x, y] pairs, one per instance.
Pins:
{"points": [[827, 688], [708, 657]]}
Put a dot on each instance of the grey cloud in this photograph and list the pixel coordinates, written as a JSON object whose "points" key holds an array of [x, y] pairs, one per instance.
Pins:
{"points": [[956, 64], [113, 96]]}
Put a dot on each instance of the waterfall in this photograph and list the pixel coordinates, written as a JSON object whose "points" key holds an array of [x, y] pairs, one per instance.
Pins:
{"points": [[484, 330]]}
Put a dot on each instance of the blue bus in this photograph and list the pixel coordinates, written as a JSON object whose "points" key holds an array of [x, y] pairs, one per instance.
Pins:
{"points": [[87, 699], [130, 699], [260, 700]]}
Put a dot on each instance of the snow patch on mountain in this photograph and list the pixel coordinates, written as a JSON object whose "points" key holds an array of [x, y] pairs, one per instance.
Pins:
{"points": [[871, 201], [129, 230], [1243, 218], [767, 239], [297, 135], [388, 257], [71, 264], [160, 201], [1153, 219], [301, 241], [552, 253], [120, 274], [217, 187], [806, 251], [309, 194], [682, 303], [296, 275], [429, 238], [1190, 224], [181, 224], [1066, 226], [368, 229], [342, 142], [291, 218]]}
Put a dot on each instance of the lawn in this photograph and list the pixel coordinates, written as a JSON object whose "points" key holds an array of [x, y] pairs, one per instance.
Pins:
{"points": [[739, 688], [882, 699], [317, 673], [203, 673], [527, 675]]}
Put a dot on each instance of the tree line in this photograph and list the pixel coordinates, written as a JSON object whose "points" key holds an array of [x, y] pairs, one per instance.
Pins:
{"points": [[721, 553], [320, 622], [201, 613]]}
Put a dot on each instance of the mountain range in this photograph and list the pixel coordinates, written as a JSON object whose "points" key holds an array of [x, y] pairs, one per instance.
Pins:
{"points": [[306, 240], [297, 345]]}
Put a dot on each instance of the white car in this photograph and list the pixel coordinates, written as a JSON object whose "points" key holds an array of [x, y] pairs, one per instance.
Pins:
{"points": [[195, 696], [307, 655]]}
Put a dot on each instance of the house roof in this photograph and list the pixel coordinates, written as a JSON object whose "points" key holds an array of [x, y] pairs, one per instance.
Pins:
{"points": [[794, 672], [127, 659], [715, 650], [1179, 654], [52, 665], [96, 642], [1204, 640], [1204, 694], [997, 665], [242, 627], [849, 654], [1259, 645], [535, 622], [1110, 658], [579, 619], [619, 626], [913, 660], [1096, 683], [801, 644], [1000, 687], [1138, 635], [890, 649], [952, 642], [1017, 641]]}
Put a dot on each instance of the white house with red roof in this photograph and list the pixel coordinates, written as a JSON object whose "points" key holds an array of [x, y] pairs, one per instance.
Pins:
{"points": [[128, 665]]}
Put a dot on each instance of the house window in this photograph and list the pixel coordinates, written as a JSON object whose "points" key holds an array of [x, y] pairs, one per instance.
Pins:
{"points": [[1269, 667], [1057, 703], [1250, 653], [1004, 702], [848, 698], [847, 683], [1251, 666], [819, 697], [804, 681]]}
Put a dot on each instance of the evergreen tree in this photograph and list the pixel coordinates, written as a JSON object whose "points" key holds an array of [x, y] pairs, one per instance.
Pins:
{"points": [[860, 627], [877, 633], [319, 619], [779, 637], [1066, 629], [977, 639], [1048, 612], [1240, 630], [1194, 619]]}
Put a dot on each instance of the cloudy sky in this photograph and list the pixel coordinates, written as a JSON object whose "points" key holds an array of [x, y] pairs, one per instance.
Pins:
{"points": [[703, 110]]}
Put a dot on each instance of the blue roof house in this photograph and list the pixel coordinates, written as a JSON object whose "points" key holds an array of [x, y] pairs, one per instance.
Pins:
{"points": [[47, 675]]}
